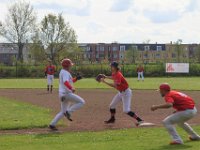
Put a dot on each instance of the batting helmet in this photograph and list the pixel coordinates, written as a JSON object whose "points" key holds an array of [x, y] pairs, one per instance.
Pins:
{"points": [[165, 86], [66, 63]]}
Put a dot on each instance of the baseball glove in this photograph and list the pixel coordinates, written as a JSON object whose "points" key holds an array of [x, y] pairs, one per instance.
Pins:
{"points": [[78, 76], [98, 78]]}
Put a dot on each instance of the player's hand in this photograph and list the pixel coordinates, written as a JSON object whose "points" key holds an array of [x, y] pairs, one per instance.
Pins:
{"points": [[102, 80], [153, 108], [73, 90]]}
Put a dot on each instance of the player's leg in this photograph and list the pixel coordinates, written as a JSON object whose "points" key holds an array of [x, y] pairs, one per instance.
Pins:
{"points": [[142, 75], [64, 104], [78, 102], [189, 114], [113, 105], [52, 77], [126, 99], [138, 76], [48, 83], [176, 118]]}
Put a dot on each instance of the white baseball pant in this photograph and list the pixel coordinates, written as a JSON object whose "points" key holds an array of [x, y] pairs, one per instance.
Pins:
{"points": [[180, 119], [125, 97], [69, 102], [50, 79], [140, 74]]}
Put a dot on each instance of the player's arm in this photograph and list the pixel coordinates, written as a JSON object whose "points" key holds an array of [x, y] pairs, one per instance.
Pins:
{"points": [[109, 84], [109, 77], [162, 106], [68, 85]]}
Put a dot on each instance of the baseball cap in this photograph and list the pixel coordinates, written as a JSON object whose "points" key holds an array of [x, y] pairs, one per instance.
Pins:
{"points": [[165, 86], [114, 64]]}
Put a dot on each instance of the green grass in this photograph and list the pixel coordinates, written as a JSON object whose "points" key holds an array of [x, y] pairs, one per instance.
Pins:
{"points": [[131, 139], [181, 83], [17, 115]]}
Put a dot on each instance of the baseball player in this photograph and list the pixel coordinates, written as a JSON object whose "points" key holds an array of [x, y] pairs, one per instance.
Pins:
{"points": [[124, 94], [140, 72], [185, 110], [49, 74], [66, 94]]}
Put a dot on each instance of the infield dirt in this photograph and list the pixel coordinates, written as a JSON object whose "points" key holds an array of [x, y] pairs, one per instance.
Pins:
{"points": [[92, 116]]}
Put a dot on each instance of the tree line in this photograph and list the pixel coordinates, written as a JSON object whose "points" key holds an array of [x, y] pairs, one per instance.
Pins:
{"points": [[51, 38]]}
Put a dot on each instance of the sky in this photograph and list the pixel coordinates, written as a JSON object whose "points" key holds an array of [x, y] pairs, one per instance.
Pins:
{"points": [[124, 21]]}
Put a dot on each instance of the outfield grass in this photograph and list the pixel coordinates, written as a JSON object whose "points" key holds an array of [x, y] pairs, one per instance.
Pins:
{"points": [[17, 115], [180, 83], [131, 139]]}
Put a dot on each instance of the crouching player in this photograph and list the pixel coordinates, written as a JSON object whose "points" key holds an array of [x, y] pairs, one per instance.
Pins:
{"points": [[124, 94], [185, 110], [66, 94]]}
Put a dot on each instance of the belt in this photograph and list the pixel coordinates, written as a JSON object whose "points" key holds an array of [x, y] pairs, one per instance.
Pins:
{"points": [[123, 90]]}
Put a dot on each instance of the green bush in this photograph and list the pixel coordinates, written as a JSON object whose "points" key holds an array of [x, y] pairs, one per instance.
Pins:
{"points": [[91, 70]]}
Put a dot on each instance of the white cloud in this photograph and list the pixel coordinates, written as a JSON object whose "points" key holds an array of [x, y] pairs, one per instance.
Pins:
{"points": [[121, 5], [125, 20]]}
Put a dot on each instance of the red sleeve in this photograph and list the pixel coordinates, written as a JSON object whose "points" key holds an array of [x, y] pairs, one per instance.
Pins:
{"points": [[74, 79], [68, 85], [169, 99]]}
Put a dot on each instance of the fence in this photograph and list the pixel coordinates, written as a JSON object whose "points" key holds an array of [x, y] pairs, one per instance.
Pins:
{"points": [[91, 70]]}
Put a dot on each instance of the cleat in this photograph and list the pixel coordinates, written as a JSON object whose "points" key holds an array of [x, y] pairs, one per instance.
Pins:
{"points": [[68, 116], [175, 143], [53, 128], [111, 120], [139, 123], [194, 139]]}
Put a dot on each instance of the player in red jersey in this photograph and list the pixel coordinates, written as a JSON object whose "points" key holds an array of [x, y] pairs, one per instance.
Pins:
{"points": [[49, 73], [124, 94], [185, 110], [140, 72]]}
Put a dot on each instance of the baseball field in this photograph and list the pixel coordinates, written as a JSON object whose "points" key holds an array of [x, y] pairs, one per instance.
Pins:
{"points": [[26, 110]]}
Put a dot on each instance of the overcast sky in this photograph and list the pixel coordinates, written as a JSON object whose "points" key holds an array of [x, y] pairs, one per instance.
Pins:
{"points": [[125, 20]]}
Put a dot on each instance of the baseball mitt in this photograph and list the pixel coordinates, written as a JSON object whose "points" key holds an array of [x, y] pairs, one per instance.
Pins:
{"points": [[98, 78]]}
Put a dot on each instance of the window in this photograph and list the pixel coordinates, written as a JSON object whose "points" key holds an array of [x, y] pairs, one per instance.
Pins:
{"points": [[114, 48], [145, 55], [146, 48], [134, 47], [122, 48], [97, 55], [115, 56], [101, 48], [88, 48], [101, 55], [157, 55], [159, 48], [173, 55]]}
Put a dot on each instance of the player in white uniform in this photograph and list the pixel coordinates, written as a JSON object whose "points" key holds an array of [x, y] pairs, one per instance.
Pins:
{"points": [[70, 102]]}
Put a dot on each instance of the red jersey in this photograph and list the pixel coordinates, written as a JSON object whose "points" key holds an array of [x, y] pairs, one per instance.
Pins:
{"points": [[140, 69], [50, 70], [179, 100], [120, 81]]}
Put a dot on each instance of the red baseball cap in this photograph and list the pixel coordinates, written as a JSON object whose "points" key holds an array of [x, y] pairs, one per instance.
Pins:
{"points": [[66, 63], [165, 86]]}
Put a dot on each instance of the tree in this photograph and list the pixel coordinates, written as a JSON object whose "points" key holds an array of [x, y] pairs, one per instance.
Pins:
{"points": [[132, 54], [19, 25], [197, 53], [178, 49], [37, 50], [57, 36]]}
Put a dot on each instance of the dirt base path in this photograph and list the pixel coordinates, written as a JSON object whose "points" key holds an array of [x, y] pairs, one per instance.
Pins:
{"points": [[92, 116]]}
